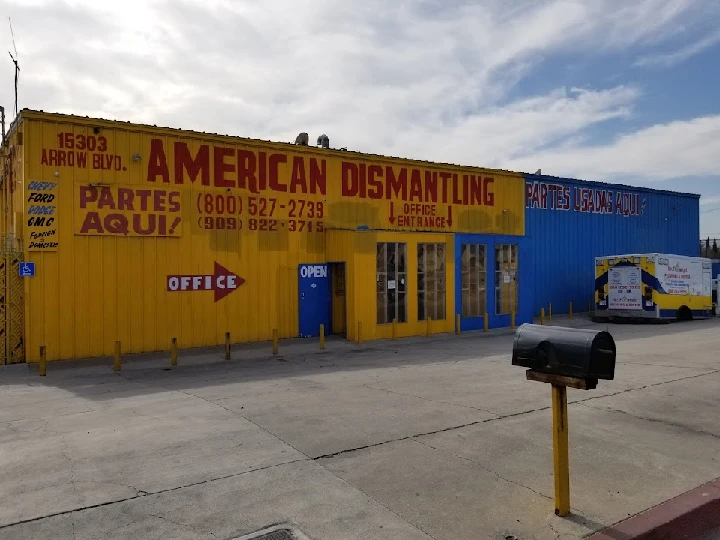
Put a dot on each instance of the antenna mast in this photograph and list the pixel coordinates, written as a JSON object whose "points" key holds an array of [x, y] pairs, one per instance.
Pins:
{"points": [[15, 60]]}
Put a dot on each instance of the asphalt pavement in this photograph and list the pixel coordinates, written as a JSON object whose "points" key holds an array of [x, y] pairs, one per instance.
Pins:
{"points": [[422, 438]]}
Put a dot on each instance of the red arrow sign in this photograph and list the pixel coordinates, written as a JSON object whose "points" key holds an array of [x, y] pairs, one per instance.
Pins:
{"points": [[392, 213], [222, 281], [449, 218]]}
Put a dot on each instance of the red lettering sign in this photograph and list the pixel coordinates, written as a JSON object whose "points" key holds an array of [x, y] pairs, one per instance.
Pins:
{"points": [[222, 281], [586, 200], [127, 211], [222, 166], [415, 185], [229, 168], [419, 215]]}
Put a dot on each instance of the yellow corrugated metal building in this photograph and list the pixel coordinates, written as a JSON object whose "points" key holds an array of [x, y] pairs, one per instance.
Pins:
{"points": [[141, 234]]}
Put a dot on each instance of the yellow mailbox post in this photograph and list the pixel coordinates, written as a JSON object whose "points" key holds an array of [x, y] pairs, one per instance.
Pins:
{"points": [[563, 357]]}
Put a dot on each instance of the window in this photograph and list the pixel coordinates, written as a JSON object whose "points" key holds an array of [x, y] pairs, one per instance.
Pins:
{"points": [[431, 281], [391, 282], [473, 280], [506, 282]]}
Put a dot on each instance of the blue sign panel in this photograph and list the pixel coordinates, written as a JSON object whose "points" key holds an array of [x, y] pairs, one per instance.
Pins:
{"points": [[27, 269], [315, 307]]}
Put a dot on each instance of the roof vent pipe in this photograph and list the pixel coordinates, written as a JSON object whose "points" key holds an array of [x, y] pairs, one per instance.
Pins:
{"points": [[323, 141]]}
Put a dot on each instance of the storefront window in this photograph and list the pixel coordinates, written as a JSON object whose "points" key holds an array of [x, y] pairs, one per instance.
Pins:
{"points": [[431, 281], [391, 282], [506, 279], [473, 273]]}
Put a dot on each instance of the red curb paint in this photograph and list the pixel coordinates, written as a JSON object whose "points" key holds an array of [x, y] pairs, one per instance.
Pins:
{"points": [[684, 517]]}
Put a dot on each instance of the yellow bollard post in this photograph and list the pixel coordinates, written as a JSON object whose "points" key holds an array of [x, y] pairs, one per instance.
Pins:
{"points": [[118, 348], [485, 322], [42, 366], [512, 320], [359, 333], [570, 311], [457, 324], [550, 311], [394, 330], [428, 331], [173, 352], [561, 462], [227, 345], [542, 315], [322, 337], [275, 340]]}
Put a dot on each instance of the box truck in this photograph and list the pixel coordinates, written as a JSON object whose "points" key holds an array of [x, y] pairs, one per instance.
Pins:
{"points": [[653, 286]]}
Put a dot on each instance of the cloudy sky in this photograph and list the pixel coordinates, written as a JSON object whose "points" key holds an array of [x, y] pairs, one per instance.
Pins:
{"points": [[611, 90]]}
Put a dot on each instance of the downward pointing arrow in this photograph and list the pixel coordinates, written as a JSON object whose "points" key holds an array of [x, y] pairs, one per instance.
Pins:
{"points": [[392, 212], [449, 218]]}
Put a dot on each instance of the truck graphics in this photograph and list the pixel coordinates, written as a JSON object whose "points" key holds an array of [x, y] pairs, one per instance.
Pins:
{"points": [[653, 286]]}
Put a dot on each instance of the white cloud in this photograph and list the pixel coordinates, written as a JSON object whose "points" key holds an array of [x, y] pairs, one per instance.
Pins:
{"points": [[429, 79], [502, 135], [707, 201], [661, 152], [682, 54], [710, 214]]}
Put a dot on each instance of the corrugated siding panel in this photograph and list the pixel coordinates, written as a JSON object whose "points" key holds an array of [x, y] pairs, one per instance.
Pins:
{"points": [[565, 242], [358, 250], [97, 289], [100, 284]]}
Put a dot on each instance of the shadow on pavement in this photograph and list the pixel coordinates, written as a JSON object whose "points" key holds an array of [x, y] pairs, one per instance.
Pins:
{"points": [[202, 367]]}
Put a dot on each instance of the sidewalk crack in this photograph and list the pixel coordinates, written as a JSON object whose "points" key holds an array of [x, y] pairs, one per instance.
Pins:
{"points": [[483, 467], [655, 420]]}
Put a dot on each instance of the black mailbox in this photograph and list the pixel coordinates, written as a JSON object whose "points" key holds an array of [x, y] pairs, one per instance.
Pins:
{"points": [[572, 352]]}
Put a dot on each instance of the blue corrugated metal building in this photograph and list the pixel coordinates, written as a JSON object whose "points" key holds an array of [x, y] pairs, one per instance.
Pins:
{"points": [[570, 222]]}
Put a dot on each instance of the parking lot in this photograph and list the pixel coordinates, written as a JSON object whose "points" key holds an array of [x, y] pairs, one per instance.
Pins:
{"points": [[437, 438]]}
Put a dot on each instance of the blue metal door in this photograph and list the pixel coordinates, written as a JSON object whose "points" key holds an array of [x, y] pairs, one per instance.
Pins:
{"points": [[315, 302]]}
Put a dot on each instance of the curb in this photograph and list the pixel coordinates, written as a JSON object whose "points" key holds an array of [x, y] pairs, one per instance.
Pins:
{"points": [[684, 517]]}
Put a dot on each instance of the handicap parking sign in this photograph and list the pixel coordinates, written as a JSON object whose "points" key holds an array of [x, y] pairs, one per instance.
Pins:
{"points": [[27, 269]]}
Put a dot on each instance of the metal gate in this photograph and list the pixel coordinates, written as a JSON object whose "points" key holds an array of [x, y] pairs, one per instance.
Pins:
{"points": [[12, 306]]}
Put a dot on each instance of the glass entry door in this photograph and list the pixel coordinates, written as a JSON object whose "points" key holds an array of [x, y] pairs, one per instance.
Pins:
{"points": [[473, 277], [506, 279]]}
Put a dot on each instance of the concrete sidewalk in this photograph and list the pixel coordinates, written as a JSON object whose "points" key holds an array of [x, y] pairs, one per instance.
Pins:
{"points": [[420, 438]]}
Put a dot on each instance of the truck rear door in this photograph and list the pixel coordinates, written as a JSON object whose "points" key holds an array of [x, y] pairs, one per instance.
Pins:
{"points": [[625, 287]]}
